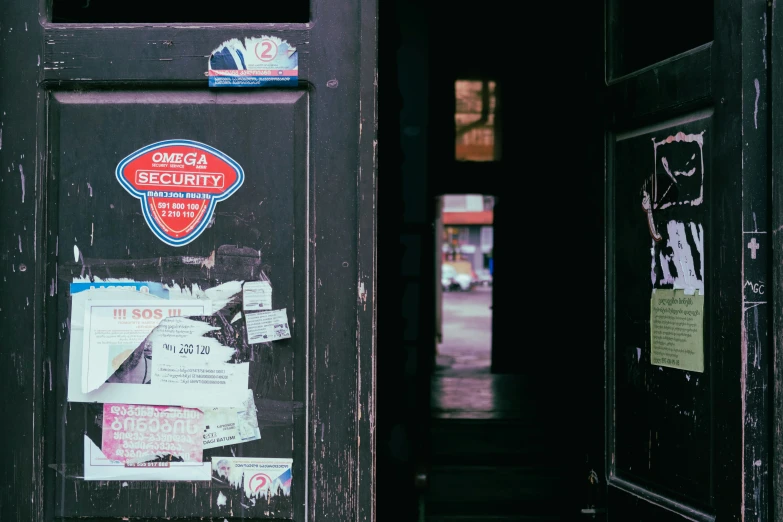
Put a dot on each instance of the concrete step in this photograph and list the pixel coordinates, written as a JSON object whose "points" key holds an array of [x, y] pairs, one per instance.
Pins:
{"points": [[495, 491], [496, 442]]}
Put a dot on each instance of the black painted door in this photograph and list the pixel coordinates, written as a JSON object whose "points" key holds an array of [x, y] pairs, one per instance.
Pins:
{"points": [[122, 167], [688, 258]]}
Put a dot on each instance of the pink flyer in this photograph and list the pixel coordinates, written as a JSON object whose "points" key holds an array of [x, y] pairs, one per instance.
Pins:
{"points": [[141, 435]]}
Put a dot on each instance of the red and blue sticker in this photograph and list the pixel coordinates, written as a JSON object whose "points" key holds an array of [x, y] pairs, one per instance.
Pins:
{"points": [[179, 182]]}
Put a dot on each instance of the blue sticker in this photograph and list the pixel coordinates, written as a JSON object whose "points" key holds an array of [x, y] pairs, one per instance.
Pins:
{"points": [[149, 287]]}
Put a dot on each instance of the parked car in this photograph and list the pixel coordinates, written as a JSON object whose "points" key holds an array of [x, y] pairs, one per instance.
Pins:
{"points": [[483, 277], [450, 279]]}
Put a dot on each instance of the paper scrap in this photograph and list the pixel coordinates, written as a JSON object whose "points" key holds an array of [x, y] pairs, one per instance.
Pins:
{"points": [[225, 426], [256, 296], [150, 436], [677, 330], [98, 467], [260, 477], [114, 329], [264, 327]]}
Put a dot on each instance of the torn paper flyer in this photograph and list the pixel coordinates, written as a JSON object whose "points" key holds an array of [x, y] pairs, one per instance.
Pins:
{"points": [[114, 329], [180, 362], [98, 467], [129, 292]]}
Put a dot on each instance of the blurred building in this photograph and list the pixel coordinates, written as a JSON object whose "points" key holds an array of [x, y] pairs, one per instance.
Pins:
{"points": [[467, 229]]}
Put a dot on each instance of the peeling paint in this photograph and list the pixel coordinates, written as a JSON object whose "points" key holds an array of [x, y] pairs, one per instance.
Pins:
{"points": [[21, 176], [362, 295], [756, 103]]}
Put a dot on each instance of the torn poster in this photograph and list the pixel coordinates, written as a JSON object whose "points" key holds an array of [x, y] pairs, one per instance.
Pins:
{"points": [[180, 362], [225, 426], [264, 327], [264, 61], [98, 467], [256, 296], [133, 291], [152, 436], [114, 329], [260, 478]]}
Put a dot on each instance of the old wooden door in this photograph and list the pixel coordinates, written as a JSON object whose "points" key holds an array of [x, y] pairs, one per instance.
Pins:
{"points": [[128, 182], [688, 258]]}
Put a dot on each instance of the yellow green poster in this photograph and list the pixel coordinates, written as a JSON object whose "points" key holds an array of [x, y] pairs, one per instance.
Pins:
{"points": [[677, 330]]}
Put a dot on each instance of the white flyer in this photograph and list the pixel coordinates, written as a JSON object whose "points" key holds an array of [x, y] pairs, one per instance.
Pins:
{"points": [[264, 327], [114, 329], [187, 369], [98, 467], [256, 296], [225, 426]]}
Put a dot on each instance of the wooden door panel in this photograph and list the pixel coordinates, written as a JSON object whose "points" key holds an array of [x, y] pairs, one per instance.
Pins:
{"points": [[255, 231], [662, 416], [684, 445], [84, 96]]}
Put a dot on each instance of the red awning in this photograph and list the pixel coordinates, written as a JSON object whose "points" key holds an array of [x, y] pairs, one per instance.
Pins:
{"points": [[483, 217]]}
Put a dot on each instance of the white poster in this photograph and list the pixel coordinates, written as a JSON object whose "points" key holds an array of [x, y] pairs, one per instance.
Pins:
{"points": [[114, 329], [173, 364]]}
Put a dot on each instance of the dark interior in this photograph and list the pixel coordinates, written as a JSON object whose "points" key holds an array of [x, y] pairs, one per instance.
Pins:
{"points": [[542, 457], [649, 33]]}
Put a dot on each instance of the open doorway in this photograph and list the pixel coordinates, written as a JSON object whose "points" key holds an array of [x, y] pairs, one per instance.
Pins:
{"points": [[465, 252]]}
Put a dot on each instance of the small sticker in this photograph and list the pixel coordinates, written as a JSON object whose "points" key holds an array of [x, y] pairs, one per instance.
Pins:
{"points": [[264, 327], [256, 296], [264, 61], [226, 426], [179, 182], [147, 287], [258, 477]]}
